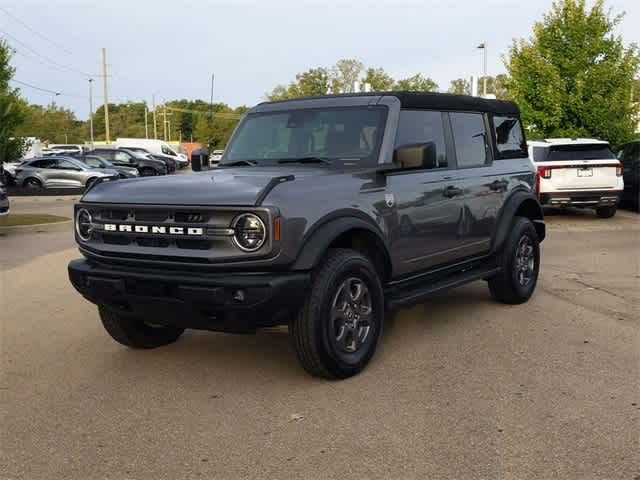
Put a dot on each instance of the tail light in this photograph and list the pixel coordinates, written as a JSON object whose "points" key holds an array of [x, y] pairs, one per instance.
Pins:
{"points": [[544, 172], [619, 170]]}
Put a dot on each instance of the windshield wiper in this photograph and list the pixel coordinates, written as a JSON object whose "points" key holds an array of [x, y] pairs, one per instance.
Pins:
{"points": [[323, 160], [238, 163]]}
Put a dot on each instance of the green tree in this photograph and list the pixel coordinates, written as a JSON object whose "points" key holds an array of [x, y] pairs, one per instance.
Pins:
{"points": [[460, 86], [379, 80], [574, 76], [11, 112], [497, 86], [416, 83], [312, 82], [344, 74]]}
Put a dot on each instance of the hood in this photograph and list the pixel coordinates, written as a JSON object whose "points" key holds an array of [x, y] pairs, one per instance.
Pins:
{"points": [[228, 186]]}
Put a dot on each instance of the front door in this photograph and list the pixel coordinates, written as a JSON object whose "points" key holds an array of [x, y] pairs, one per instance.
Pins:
{"points": [[428, 203]]}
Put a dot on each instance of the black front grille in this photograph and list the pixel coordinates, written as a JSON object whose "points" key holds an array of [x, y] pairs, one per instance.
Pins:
{"points": [[199, 229]]}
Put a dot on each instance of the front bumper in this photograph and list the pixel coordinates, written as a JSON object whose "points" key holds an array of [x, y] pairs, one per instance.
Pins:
{"points": [[594, 198], [229, 302]]}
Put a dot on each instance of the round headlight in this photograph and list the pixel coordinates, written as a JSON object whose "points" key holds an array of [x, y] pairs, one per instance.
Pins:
{"points": [[84, 224], [249, 232]]}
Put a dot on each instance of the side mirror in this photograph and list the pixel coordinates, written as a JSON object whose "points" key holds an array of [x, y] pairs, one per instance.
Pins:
{"points": [[417, 155]]}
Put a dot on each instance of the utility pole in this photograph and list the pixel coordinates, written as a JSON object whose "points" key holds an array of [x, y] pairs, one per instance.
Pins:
{"points": [[91, 111], [212, 78], [146, 123], [155, 125], [106, 94], [483, 46], [164, 120], [169, 125]]}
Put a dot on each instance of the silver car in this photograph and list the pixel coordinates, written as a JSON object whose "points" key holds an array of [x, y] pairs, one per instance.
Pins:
{"points": [[59, 172]]}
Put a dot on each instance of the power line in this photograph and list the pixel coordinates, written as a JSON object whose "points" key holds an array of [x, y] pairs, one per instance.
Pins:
{"points": [[33, 30], [44, 57], [46, 90]]}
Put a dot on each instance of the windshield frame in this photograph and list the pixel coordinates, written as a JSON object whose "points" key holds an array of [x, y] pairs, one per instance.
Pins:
{"points": [[369, 161]]}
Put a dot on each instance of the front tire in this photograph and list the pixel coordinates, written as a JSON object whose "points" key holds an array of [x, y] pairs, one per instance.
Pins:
{"points": [[32, 183], [337, 330], [606, 212], [135, 333], [520, 265]]}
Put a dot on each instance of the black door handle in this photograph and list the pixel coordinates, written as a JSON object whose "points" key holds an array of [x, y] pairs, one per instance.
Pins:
{"points": [[498, 185], [452, 191]]}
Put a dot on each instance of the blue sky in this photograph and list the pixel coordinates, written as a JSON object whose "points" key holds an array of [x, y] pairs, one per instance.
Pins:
{"points": [[170, 49]]}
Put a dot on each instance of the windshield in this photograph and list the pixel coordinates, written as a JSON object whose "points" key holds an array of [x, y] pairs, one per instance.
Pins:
{"points": [[597, 151], [345, 135]]}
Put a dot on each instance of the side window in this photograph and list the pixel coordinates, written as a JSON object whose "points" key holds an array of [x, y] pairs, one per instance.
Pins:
{"points": [[423, 126], [41, 164], [121, 157], [509, 137], [66, 165], [470, 139]]}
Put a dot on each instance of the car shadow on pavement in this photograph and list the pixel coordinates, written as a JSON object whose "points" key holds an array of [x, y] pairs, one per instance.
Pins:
{"points": [[269, 356]]}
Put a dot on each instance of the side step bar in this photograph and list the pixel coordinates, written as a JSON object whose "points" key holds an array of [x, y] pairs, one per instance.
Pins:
{"points": [[400, 297]]}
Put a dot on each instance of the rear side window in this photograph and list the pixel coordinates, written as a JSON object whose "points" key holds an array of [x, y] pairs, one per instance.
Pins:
{"points": [[539, 154], [579, 152], [422, 126], [509, 137], [42, 164], [470, 139]]}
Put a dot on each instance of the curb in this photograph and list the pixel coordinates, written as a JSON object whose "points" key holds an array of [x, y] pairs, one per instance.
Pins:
{"points": [[37, 228]]}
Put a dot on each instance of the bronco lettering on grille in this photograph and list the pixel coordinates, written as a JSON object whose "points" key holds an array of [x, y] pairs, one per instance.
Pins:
{"points": [[154, 229]]}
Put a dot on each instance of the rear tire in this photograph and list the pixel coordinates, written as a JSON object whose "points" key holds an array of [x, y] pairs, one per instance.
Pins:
{"points": [[520, 264], [135, 333], [337, 330], [606, 212]]}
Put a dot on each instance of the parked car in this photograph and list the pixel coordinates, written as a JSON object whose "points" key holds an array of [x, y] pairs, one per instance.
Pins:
{"points": [[169, 161], [300, 225], [95, 161], [156, 147], [4, 198], [10, 171], [147, 167], [59, 172], [579, 173], [629, 155], [215, 157], [65, 149]]}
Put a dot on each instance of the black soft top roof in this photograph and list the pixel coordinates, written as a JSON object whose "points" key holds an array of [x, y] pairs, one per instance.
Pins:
{"points": [[427, 101]]}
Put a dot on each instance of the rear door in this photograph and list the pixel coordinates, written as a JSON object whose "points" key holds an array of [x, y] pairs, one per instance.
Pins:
{"points": [[581, 167], [428, 202], [484, 184]]}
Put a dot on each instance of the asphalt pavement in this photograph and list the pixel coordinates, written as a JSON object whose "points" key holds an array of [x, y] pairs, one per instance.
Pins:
{"points": [[460, 388]]}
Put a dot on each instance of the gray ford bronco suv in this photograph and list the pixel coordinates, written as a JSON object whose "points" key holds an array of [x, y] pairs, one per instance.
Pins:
{"points": [[324, 213]]}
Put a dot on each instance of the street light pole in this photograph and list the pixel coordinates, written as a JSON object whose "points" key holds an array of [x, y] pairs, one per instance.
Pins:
{"points": [[212, 78], [483, 46], [91, 111]]}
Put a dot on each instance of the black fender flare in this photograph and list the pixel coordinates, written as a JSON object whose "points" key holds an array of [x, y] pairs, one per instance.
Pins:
{"points": [[320, 238], [520, 202]]}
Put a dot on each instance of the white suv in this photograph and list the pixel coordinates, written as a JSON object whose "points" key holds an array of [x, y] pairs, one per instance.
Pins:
{"points": [[577, 172]]}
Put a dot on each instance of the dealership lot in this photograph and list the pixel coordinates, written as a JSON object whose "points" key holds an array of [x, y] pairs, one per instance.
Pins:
{"points": [[461, 387]]}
